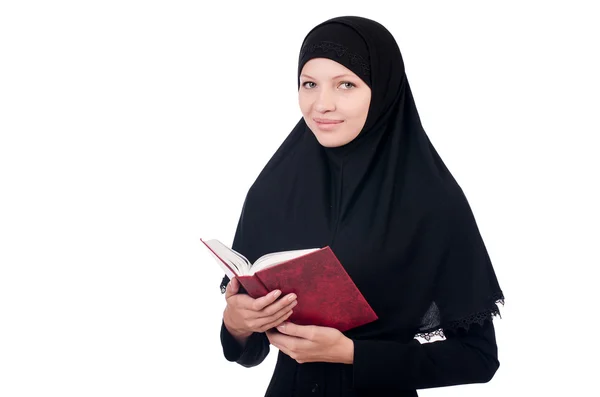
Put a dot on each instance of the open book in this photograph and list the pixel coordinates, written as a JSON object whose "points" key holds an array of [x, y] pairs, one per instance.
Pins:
{"points": [[327, 296], [236, 264]]}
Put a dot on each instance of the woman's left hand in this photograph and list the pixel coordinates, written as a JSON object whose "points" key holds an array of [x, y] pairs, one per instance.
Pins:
{"points": [[311, 343]]}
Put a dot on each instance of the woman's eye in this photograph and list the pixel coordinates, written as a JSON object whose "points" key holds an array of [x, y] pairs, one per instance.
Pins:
{"points": [[309, 84], [347, 85]]}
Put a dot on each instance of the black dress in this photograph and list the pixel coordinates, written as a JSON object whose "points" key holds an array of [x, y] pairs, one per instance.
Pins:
{"points": [[381, 368]]}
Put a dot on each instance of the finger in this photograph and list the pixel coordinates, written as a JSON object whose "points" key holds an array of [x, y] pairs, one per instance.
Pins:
{"points": [[271, 336], [262, 302], [233, 288], [279, 341], [300, 331], [242, 302], [278, 320], [284, 304]]}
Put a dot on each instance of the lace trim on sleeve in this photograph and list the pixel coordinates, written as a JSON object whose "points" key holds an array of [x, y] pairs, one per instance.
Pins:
{"points": [[464, 323]]}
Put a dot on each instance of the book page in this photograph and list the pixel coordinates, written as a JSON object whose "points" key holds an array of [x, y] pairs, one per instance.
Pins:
{"points": [[276, 258], [222, 253], [227, 271]]}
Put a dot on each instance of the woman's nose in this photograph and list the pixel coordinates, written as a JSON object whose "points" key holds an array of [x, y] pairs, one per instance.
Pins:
{"points": [[325, 102]]}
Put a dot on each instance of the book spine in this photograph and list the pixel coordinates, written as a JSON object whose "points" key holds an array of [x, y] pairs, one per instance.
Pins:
{"points": [[253, 286]]}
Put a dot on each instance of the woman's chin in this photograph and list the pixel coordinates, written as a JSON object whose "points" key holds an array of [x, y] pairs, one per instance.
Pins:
{"points": [[331, 140]]}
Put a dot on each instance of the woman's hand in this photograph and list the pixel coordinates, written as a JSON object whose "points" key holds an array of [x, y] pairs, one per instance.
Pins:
{"points": [[244, 315], [310, 343]]}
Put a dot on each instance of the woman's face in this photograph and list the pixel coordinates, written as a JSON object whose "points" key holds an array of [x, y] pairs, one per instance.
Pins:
{"points": [[334, 101]]}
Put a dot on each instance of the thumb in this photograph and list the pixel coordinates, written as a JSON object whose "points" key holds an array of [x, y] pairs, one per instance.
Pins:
{"points": [[232, 288]]}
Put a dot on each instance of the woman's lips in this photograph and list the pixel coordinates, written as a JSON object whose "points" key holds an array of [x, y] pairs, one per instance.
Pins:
{"points": [[327, 124]]}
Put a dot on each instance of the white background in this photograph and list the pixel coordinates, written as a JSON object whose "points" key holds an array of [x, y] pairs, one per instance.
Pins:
{"points": [[130, 129]]}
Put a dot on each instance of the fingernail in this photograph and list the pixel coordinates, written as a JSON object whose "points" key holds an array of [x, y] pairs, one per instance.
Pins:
{"points": [[291, 297], [276, 293]]}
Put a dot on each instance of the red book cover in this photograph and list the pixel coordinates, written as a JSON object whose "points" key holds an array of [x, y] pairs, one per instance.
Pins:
{"points": [[253, 286], [327, 296]]}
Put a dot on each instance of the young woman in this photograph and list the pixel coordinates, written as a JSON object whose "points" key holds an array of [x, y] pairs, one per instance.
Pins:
{"points": [[358, 173]]}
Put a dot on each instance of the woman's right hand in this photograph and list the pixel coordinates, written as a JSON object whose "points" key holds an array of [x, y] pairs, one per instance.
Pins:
{"points": [[244, 315]]}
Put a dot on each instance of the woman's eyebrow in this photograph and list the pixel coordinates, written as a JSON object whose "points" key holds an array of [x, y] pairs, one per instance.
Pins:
{"points": [[333, 78]]}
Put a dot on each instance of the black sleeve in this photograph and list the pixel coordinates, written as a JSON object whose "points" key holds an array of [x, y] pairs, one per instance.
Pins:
{"points": [[462, 358], [253, 353]]}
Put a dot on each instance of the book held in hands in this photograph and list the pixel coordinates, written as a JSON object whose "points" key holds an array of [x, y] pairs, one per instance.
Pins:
{"points": [[326, 294]]}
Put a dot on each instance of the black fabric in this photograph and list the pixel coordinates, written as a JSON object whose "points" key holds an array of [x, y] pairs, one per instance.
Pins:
{"points": [[381, 368], [465, 357], [340, 43], [385, 203]]}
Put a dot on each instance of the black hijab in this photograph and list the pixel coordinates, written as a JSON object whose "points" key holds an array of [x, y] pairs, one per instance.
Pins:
{"points": [[385, 202]]}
